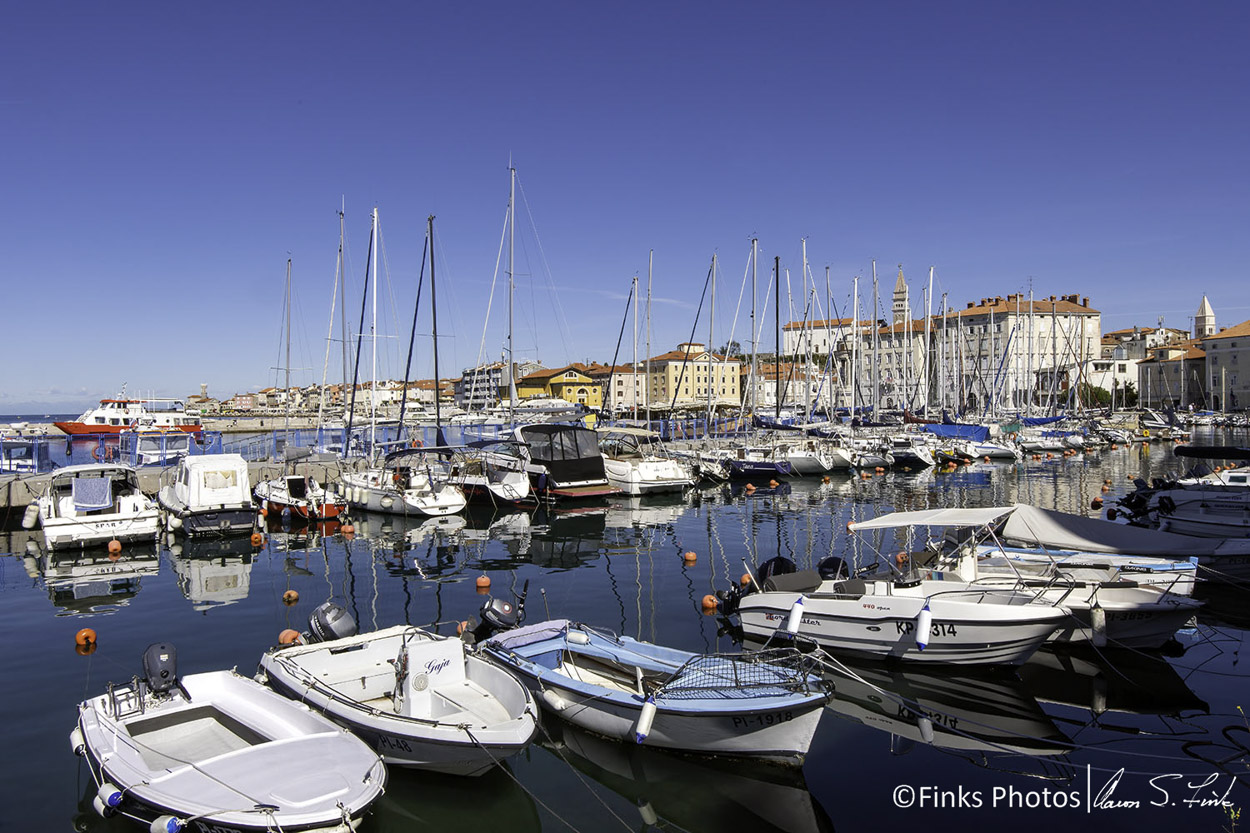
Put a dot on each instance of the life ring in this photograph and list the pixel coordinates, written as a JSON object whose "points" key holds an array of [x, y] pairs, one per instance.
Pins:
{"points": [[415, 444], [103, 453], [901, 559]]}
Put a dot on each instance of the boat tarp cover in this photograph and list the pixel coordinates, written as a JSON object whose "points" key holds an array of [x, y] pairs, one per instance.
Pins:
{"points": [[570, 453], [91, 493], [934, 517], [975, 433], [1032, 527], [1033, 422], [529, 634]]}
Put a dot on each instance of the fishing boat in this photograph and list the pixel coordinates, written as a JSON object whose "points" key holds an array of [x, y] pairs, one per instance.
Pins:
{"points": [[112, 416], [763, 705], [208, 494], [220, 752], [411, 481], [413, 695], [91, 505]]}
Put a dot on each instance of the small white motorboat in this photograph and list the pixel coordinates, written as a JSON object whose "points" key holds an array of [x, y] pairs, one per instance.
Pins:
{"points": [[415, 696], [762, 705], [208, 494], [220, 752], [93, 504]]}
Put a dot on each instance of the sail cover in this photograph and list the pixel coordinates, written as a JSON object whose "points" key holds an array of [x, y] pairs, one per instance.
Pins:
{"points": [[1028, 526]]}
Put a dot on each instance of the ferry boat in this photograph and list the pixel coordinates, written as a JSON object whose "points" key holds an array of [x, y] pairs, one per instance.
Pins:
{"points": [[116, 415]]}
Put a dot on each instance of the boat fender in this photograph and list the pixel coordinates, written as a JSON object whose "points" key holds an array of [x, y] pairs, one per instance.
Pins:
{"points": [[165, 824], [924, 626], [175, 522], [926, 729], [796, 616], [387, 502], [554, 700], [107, 799], [1098, 625], [648, 814], [31, 517], [77, 743], [643, 727], [577, 637]]}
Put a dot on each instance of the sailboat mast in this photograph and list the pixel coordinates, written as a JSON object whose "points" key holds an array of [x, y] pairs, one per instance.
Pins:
{"points": [[650, 261], [286, 391], [755, 253], [711, 323], [438, 413], [373, 329], [511, 288], [634, 366], [777, 333], [854, 342], [876, 344]]}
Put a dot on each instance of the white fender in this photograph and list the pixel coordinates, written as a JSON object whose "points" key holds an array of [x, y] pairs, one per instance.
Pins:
{"points": [[643, 727], [796, 617], [1098, 625], [554, 700], [924, 626]]}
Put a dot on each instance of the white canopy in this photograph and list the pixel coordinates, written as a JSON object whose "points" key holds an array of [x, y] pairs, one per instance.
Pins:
{"points": [[934, 517]]}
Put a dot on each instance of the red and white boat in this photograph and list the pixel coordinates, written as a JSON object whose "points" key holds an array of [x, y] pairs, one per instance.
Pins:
{"points": [[116, 415]]}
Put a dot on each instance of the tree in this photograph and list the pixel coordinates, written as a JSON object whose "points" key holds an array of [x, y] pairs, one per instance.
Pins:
{"points": [[732, 349]]}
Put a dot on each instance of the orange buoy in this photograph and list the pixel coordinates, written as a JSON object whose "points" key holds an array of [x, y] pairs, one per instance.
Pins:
{"points": [[901, 558], [85, 650], [462, 626], [347, 529], [689, 556], [1096, 503], [987, 458], [750, 487], [1050, 455], [289, 637], [1105, 488], [825, 479], [258, 540], [1107, 481], [745, 580], [115, 547], [86, 636], [290, 597], [483, 582], [710, 602], [264, 512]]}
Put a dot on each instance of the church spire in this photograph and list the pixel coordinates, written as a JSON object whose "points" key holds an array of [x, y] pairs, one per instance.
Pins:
{"points": [[1204, 320], [901, 308]]}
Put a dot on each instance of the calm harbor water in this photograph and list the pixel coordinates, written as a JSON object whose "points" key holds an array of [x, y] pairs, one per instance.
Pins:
{"points": [[1161, 738]]}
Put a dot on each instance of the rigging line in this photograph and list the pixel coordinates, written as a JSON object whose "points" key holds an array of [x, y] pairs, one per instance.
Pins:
{"points": [[616, 353], [412, 337], [360, 333], [686, 360], [562, 324], [490, 299]]}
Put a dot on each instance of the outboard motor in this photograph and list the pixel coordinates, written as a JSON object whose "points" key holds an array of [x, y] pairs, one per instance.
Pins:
{"points": [[501, 615], [833, 568], [160, 667], [776, 566], [330, 621]]}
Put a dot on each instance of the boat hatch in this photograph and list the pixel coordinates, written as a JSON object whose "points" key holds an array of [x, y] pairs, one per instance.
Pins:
{"points": [[190, 735]]}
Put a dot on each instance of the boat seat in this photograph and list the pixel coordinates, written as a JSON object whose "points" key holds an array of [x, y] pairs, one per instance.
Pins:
{"points": [[470, 700], [802, 581], [603, 671], [851, 587]]}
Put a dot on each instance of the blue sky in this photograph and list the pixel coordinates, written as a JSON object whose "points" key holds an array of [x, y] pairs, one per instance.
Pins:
{"points": [[163, 162]]}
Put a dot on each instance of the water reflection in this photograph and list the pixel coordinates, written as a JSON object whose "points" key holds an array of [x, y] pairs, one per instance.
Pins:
{"points": [[212, 572], [693, 793], [94, 581], [986, 711], [430, 801]]}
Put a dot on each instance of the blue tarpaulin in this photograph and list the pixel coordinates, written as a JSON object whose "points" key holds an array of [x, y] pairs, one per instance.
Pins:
{"points": [[1040, 420], [974, 433]]}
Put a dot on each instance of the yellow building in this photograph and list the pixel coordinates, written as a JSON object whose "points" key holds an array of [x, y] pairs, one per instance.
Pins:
{"points": [[570, 383], [681, 378]]}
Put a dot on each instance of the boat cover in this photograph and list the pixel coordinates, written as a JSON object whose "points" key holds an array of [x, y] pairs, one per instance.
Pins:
{"points": [[91, 493], [934, 517], [1032, 527]]}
